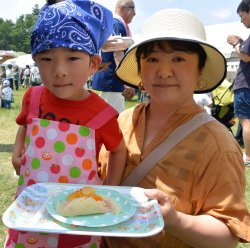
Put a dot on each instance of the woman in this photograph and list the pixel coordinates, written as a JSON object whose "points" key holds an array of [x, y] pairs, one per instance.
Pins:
{"points": [[202, 177]]}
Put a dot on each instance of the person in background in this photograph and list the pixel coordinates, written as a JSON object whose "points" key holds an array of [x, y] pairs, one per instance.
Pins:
{"points": [[242, 81], [6, 94], [66, 57], [3, 73], [202, 176], [111, 89], [26, 77], [9, 75], [22, 77], [204, 100], [35, 77], [16, 77]]}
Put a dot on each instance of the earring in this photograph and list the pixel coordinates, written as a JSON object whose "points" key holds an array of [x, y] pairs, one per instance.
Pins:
{"points": [[140, 86], [202, 83]]}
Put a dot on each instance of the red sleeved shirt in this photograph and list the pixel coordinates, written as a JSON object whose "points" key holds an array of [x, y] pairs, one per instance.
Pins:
{"points": [[75, 112]]}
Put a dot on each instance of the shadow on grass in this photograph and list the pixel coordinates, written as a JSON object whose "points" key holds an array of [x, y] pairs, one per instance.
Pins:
{"points": [[6, 147]]}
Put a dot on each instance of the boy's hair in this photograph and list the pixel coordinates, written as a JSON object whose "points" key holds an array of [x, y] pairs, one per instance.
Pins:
{"points": [[49, 2], [81, 25], [244, 6], [175, 45]]}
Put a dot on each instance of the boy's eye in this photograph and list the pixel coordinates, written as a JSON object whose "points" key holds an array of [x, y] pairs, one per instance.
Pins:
{"points": [[74, 58], [45, 59], [151, 59]]}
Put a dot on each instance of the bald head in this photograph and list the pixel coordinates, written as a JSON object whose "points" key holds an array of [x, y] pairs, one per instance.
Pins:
{"points": [[125, 9], [123, 3]]}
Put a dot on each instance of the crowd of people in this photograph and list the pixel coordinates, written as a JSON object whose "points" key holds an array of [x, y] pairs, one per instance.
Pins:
{"points": [[13, 77], [197, 179]]}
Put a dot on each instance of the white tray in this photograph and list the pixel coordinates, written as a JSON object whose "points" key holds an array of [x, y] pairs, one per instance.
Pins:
{"points": [[29, 213]]}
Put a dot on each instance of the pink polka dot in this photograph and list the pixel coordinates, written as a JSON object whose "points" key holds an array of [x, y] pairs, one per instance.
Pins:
{"points": [[40, 142]]}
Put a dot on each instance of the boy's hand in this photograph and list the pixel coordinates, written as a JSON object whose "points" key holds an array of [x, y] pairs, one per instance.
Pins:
{"points": [[16, 162]]}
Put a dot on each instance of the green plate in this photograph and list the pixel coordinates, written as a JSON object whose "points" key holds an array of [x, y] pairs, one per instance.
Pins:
{"points": [[95, 220]]}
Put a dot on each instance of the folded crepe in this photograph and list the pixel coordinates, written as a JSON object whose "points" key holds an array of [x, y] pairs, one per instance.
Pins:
{"points": [[85, 201]]}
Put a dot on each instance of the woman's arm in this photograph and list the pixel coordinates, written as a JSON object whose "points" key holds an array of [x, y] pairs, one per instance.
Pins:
{"points": [[236, 41], [198, 231]]}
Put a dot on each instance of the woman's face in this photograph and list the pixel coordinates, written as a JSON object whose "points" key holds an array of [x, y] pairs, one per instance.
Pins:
{"points": [[170, 77]]}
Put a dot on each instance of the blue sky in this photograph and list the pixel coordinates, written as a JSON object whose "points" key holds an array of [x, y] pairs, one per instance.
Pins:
{"points": [[210, 12]]}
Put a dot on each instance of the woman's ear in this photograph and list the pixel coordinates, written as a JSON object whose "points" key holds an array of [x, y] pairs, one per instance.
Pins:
{"points": [[95, 61]]}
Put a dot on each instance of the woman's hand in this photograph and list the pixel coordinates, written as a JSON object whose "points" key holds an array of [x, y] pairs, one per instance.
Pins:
{"points": [[197, 231], [167, 208]]}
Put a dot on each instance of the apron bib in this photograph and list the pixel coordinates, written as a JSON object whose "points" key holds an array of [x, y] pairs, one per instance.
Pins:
{"points": [[62, 153]]}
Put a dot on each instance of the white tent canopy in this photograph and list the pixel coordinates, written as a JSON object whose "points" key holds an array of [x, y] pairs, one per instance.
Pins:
{"points": [[21, 61], [217, 35]]}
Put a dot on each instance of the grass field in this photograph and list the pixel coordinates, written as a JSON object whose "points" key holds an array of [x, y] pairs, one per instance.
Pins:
{"points": [[8, 183]]}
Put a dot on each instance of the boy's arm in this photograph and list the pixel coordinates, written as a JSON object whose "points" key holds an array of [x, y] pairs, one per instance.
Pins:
{"points": [[18, 149], [116, 165]]}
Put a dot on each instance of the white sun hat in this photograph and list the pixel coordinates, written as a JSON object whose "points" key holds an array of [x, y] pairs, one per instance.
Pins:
{"points": [[175, 24]]}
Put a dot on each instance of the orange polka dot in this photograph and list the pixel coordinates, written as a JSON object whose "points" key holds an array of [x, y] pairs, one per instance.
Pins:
{"points": [[71, 138], [35, 130], [63, 179], [86, 164]]}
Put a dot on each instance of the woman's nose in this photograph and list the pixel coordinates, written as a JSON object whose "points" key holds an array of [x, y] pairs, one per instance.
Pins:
{"points": [[165, 70]]}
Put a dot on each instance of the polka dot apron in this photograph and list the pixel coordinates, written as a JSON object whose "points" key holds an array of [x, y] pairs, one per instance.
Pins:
{"points": [[58, 152]]}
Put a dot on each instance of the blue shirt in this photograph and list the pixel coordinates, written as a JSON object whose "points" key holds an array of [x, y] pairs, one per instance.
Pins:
{"points": [[106, 80], [242, 79]]}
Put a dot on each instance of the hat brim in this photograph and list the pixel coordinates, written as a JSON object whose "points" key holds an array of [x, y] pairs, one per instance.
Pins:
{"points": [[213, 74]]}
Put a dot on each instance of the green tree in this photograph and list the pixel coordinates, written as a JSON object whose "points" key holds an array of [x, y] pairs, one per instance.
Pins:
{"points": [[16, 36], [6, 37]]}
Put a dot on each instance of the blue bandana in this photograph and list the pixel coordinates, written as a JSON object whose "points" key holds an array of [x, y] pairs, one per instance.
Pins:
{"points": [[77, 24]]}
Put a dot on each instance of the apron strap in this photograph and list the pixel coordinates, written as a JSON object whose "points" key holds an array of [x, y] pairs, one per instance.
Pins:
{"points": [[103, 117], [36, 93], [98, 121]]}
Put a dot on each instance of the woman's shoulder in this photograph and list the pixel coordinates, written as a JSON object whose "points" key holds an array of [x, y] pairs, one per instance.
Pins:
{"points": [[218, 138], [133, 111]]}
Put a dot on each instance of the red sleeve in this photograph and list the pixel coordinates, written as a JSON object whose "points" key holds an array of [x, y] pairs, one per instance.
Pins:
{"points": [[109, 135], [22, 117]]}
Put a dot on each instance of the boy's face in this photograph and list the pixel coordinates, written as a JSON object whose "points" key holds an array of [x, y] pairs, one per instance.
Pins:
{"points": [[170, 77], [64, 71]]}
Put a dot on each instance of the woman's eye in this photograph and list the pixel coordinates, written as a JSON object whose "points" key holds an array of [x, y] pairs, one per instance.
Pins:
{"points": [[178, 59]]}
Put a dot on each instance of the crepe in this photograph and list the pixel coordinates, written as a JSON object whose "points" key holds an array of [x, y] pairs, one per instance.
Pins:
{"points": [[85, 201]]}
